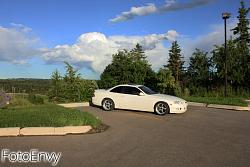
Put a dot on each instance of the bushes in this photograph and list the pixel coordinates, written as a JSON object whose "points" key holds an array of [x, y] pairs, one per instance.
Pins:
{"points": [[83, 90], [35, 99], [217, 92], [71, 87], [87, 89], [20, 100]]}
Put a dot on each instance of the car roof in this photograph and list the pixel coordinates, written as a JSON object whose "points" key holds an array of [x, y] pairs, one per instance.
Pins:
{"points": [[131, 85]]}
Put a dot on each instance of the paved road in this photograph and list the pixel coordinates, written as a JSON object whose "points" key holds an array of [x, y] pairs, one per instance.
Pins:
{"points": [[199, 137]]}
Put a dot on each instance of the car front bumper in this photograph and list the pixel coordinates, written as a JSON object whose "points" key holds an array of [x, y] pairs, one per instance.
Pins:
{"points": [[179, 108]]}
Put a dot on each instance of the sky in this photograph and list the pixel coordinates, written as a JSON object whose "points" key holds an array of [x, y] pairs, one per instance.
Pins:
{"points": [[37, 36]]}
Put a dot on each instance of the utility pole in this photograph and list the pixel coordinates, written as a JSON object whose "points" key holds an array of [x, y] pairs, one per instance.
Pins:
{"points": [[225, 16]]}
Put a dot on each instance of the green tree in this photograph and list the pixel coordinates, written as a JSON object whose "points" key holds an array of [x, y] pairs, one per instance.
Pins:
{"points": [[137, 53], [127, 67], [242, 28], [72, 75], [140, 68], [199, 69], [72, 83], [236, 69], [118, 72], [175, 62], [165, 81], [71, 87], [242, 40], [87, 89], [56, 89]]}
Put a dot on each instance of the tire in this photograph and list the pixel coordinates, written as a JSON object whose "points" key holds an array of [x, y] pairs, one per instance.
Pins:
{"points": [[108, 104], [161, 108]]}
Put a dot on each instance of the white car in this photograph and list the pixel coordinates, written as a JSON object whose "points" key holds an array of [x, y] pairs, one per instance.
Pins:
{"points": [[138, 97]]}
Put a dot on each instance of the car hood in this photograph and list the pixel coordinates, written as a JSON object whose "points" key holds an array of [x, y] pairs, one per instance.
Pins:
{"points": [[167, 97]]}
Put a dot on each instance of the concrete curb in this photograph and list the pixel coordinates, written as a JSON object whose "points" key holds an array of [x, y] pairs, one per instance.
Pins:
{"points": [[228, 107], [72, 105], [9, 131], [76, 130], [197, 104], [248, 100], [44, 131], [36, 131]]}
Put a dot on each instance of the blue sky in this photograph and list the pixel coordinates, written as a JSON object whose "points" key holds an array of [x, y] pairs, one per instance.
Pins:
{"points": [[86, 37]]}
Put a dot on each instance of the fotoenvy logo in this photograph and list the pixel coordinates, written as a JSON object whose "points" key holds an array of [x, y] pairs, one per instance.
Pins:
{"points": [[33, 156]]}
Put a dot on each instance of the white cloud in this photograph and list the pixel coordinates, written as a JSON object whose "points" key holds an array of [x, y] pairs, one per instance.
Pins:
{"points": [[16, 44], [158, 56], [21, 27], [135, 11], [150, 8], [172, 5], [94, 50], [207, 41]]}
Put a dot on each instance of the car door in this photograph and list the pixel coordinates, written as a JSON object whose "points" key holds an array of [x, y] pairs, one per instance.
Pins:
{"points": [[133, 100], [118, 96]]}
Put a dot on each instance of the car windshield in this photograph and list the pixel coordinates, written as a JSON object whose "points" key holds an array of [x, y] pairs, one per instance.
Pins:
{"points": [[147, 90]]}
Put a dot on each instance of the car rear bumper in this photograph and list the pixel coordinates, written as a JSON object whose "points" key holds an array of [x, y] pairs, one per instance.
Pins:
{"points": [[96, 101]]}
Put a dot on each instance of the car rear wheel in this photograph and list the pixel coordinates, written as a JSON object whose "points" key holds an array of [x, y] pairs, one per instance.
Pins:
{"points": [[108, 104], [161, 108]]}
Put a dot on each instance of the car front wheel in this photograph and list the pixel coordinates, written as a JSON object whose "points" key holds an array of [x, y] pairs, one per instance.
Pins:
{"points": [[161, 108], [108, 104]]}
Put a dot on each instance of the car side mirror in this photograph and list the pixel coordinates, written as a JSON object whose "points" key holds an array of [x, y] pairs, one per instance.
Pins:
{"points": [[141, 94]]}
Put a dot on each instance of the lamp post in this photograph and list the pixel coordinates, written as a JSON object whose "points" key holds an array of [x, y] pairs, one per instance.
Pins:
{"points": [[225, 16]]}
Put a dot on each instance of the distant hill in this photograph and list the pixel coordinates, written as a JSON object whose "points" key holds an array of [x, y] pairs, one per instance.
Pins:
{"points": [[25, 85]]}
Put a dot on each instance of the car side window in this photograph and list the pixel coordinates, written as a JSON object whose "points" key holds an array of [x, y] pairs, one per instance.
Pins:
{"points": [[117, 89], [131, 90]]}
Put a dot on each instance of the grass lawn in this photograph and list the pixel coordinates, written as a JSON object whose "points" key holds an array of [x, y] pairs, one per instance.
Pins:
{"points": [[45, 115], [218, 100]]}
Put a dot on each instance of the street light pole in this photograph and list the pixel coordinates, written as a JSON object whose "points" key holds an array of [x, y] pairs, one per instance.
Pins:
{"points": [[225, 16]]}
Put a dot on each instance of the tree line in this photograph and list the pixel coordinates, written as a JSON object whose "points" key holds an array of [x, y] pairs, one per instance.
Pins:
{"points": [[204, 74], [25, 85]]}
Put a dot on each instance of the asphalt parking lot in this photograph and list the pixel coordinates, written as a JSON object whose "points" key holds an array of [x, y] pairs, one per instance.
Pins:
{"points": [[200, 137]]}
